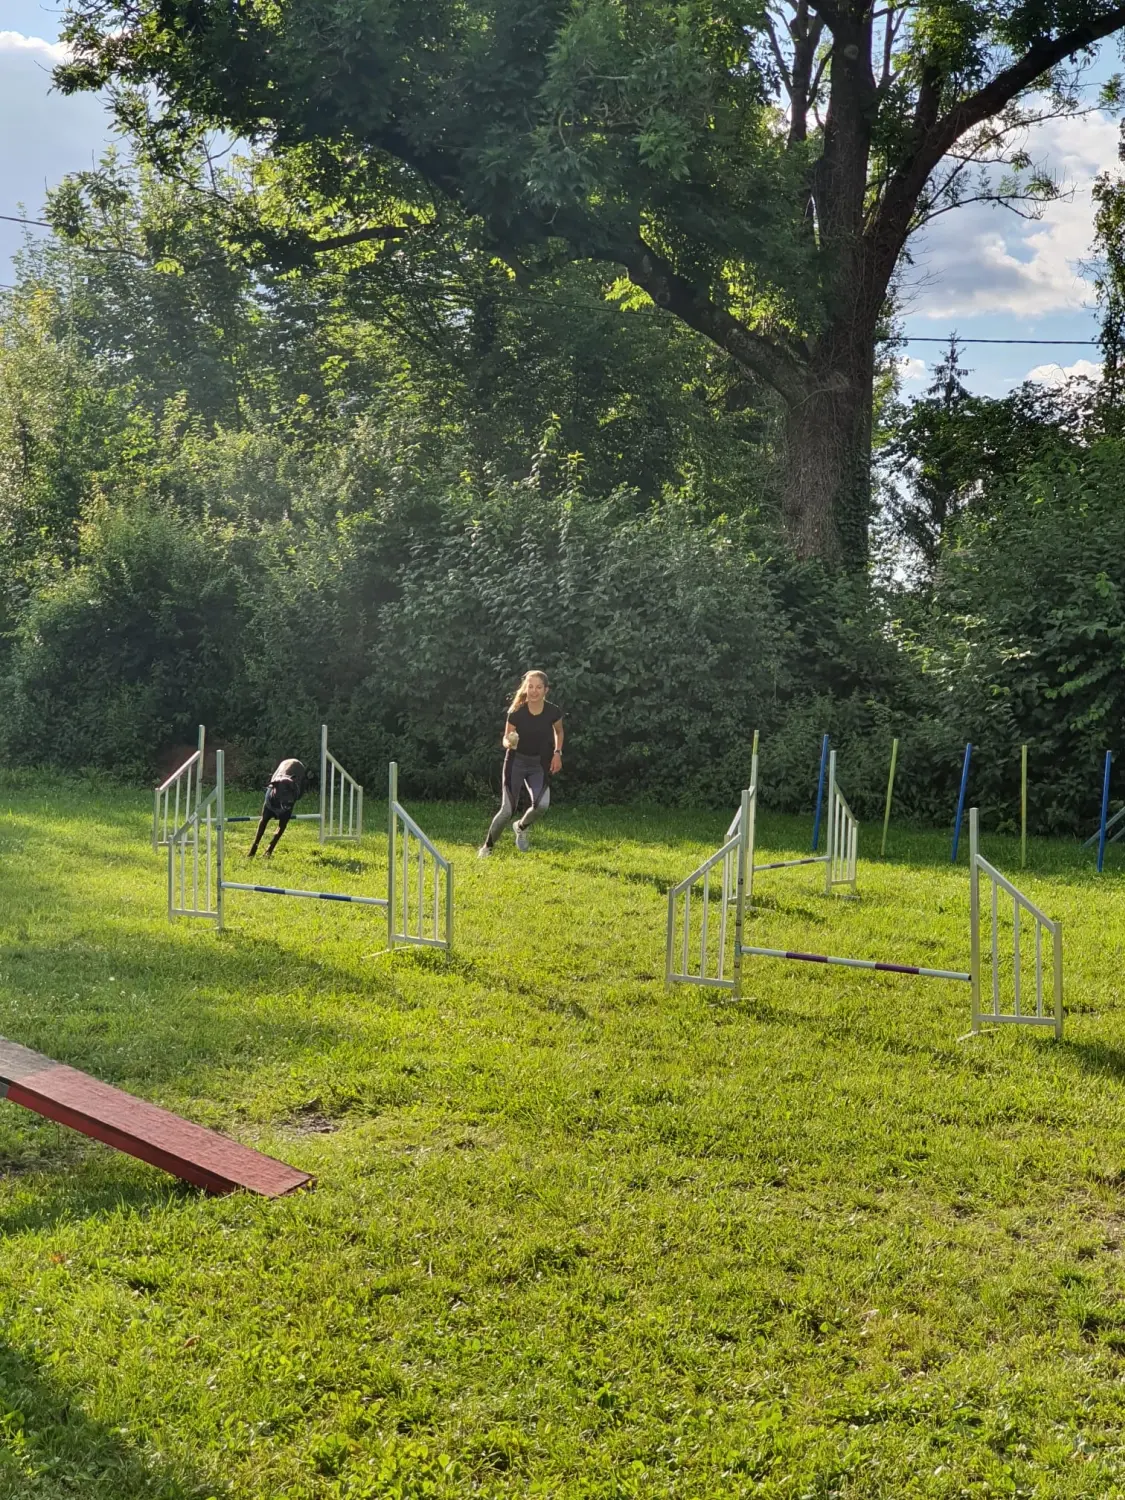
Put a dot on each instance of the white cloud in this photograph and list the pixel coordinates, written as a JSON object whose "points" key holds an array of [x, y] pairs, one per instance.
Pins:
{"points": [[1058, 375], [983, 259], [911, 369], [43, 135], [15, 41]]}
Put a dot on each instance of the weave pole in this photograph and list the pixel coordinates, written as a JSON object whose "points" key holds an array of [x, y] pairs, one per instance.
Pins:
{"points": [[890, 794], [220, 843], [961, 803], [820, 793], [1105, 810], [1023, 807]]}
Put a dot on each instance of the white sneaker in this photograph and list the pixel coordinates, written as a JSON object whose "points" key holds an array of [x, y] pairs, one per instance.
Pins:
{"points": [[484, 851], [523, 839]]}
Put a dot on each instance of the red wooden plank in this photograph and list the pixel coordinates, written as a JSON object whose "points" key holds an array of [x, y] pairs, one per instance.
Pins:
{"points": [[199, 1156]]}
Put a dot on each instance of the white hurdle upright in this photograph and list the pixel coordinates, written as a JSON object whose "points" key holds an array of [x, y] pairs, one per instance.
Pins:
{"points": [[843, 837], [1045, 1012], [341, 798], [186, 782], [419, 880], [419, 911], [195, 862], [710, 957], [694, 959]]}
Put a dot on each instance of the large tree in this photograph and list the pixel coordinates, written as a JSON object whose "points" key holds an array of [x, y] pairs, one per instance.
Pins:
{"points": [[755, 167]]}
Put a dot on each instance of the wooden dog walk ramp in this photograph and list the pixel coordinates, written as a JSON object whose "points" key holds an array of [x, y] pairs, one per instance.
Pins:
{"points": [[199, 1156]]}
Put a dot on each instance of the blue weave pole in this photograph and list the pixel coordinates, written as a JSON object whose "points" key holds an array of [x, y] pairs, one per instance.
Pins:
{"points": [[1105, 810], [961, 803], [820, 794]]}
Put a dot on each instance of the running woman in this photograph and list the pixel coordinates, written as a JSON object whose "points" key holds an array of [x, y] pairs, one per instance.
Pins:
{"points": [[533, 741]]}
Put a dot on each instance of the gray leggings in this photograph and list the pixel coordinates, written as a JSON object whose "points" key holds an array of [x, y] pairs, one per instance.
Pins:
{"points": [[527, 771]]}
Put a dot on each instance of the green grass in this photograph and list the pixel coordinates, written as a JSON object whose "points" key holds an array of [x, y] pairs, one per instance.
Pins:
{"points": [[573, 1236]]}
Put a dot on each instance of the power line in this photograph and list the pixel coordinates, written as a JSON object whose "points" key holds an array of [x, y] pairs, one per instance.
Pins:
{"points": [[911, 338]]}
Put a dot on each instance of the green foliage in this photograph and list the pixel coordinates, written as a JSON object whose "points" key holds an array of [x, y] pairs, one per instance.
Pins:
{"points": [[126, 650], [1033, 600], [1109, 279], [949, 453], [681, 145], [60, 426]]}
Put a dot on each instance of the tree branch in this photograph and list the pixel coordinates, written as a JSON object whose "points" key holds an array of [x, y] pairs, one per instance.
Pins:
{"points": [[893, 222], [778, 57], [360, 237], [779, 367], [1010, 201], [831, 14]]}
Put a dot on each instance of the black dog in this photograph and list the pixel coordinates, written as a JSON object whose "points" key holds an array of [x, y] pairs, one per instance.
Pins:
{"points": [[285, 788]]}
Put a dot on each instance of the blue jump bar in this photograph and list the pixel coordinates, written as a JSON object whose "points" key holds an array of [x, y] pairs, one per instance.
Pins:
{"points": [[281, 890], [859, 963], [296, 818]]}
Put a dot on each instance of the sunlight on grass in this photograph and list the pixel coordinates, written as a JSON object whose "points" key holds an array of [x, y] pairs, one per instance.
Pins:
{"points": [[573, 1236]]}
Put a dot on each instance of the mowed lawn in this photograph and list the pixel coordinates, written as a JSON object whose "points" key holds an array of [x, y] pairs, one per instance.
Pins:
{"points": [[572, 1236]]}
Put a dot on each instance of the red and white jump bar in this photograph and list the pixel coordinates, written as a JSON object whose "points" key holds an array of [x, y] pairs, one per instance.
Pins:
{"points": [[859, 963]]}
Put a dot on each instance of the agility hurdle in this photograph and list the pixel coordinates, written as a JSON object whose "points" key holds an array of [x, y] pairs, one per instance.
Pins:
{"points": [[419, 899], [341, 798], [186, 780], [698, 954], [718, 884], [841, 853], [341, 801]]}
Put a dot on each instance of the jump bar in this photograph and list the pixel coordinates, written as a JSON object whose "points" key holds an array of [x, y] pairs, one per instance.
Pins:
{"points": [[190, 1152], [281, 890], [789, 864], [860, 963], [296, 818]]}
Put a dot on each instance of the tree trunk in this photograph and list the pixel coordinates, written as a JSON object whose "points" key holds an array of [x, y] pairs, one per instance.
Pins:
{"points": [[826, 495]]}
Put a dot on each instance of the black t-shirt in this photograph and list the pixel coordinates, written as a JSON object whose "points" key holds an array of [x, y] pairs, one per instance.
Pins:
{"points": [[536, 731]]}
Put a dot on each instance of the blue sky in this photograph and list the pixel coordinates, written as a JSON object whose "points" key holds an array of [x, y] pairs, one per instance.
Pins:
{"points": [[980, 271]]}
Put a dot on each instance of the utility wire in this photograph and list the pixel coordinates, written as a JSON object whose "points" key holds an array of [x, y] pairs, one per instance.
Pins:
{"points": [[1084, 343]]}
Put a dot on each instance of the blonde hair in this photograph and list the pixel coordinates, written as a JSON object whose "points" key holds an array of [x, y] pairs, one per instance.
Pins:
{"points": [[521, 692]]}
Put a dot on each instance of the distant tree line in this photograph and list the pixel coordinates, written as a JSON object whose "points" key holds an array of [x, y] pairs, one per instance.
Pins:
{"points": [[266, 498]]}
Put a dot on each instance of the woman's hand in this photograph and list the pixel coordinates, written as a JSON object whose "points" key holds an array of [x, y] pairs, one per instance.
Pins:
{"points": [[556, 763]]}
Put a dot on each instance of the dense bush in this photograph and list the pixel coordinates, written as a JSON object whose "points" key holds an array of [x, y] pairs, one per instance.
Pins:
{"points": [[664, 642], [1031, 604], [404, 616], [127, 650]]}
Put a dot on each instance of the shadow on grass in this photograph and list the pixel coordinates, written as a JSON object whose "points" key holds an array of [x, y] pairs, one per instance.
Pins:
{"points": [[161, 1004], [645, 878], [79, 1181], [50, 1448], [1101, 1058], [162, 1017]]}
